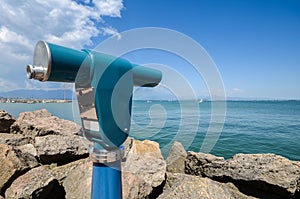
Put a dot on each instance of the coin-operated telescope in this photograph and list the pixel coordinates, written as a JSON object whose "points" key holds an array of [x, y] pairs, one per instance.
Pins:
{"points": [[104, 88]]}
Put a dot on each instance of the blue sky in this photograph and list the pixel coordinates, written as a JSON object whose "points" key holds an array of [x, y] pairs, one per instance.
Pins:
{"points": [[254, 43]]}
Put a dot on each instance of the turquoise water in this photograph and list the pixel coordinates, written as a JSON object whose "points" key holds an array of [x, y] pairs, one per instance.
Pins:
{"points": [[250, 126]]}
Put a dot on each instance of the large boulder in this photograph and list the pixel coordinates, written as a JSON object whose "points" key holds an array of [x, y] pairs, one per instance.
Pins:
{"points": [[78, 182], [36, 183], [196, 162], [259, 175], [13, 163], [61, 149], [176, 159], [6, 120], [13, 139], [41, 123], [186, 186], [28, 148], [144, 170], [42, 182]]}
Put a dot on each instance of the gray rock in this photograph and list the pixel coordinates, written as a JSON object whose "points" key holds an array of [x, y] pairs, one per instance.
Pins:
{"points": [[13, 139], [78, 182], [6, 120], [42, 182], [144, 171], [41, 123], [13, 163], [127, 146], [259, 175], [61, 149], [185, 186], [196, 162], [28, 148], [36, 183], [176, 158]]}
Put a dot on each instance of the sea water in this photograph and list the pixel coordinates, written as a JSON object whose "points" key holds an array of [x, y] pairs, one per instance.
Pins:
{"points": [[249, 127]]}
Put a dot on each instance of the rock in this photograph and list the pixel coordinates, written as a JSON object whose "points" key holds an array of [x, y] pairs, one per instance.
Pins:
{"points": [[41, 123], [13, 139], [36, 183], [78, 182], [176, 159], [127, 146], [61, 149], [144, 171], [28, 148], [42, 182], [185, 186], [13, 163], [6, 120], [195, 162], [259, 175]]}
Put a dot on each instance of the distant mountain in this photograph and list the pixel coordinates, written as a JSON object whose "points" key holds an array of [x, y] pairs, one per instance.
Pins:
{"points": [[38, 94]]}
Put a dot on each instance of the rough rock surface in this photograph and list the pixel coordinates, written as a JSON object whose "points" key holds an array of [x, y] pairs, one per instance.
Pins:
{"points": [[13, 163], [42, 182], [176, 159], [13, 139], [39, 142], [186, 186], [196, 162], [28, 148], [41, 123], [259, 175], [61, 149], [127, 146], [78, 182], [144, 171], [6, 120]]}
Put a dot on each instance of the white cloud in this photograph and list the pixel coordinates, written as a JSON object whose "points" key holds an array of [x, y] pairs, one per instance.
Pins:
{"points": [[235, 92], [68, 23]]}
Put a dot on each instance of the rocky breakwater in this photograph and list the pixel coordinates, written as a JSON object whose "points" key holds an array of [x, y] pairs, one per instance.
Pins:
{"points": [[42, 156]]}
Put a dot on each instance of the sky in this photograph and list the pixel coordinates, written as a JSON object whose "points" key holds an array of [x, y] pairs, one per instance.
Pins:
{"points": [[255, 44]]}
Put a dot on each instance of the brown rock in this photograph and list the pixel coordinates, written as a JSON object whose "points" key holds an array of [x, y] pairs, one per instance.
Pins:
{"points": [[176, 158], [42, 182], [127, 146], [13, 139], [13, 163], [6, 120], [259, 175], [28, 148], [144, 171], [36, 183], [196, 162], [78, 182], [41, 123], [185, 186], [61, 149]]}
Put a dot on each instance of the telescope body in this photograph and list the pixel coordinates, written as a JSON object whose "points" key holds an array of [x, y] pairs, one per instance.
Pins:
{"points": [[104, 86]]}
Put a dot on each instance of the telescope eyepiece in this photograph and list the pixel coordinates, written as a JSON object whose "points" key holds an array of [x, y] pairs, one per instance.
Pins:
{"points": [[35, 72], [41, 67]]}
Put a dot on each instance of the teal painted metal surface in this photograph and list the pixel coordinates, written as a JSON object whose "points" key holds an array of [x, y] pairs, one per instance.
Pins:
{"points": [[112, 79], [113, 83], [65, 63]]}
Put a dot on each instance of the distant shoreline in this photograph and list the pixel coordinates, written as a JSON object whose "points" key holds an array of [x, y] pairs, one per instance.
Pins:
{"points": [[33, 101]]}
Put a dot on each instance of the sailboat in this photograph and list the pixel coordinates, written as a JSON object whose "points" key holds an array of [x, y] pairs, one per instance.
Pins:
{"points": [[200, 101]]}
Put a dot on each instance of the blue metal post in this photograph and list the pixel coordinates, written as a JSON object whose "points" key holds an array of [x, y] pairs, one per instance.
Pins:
{"points": [[107, 181]]}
